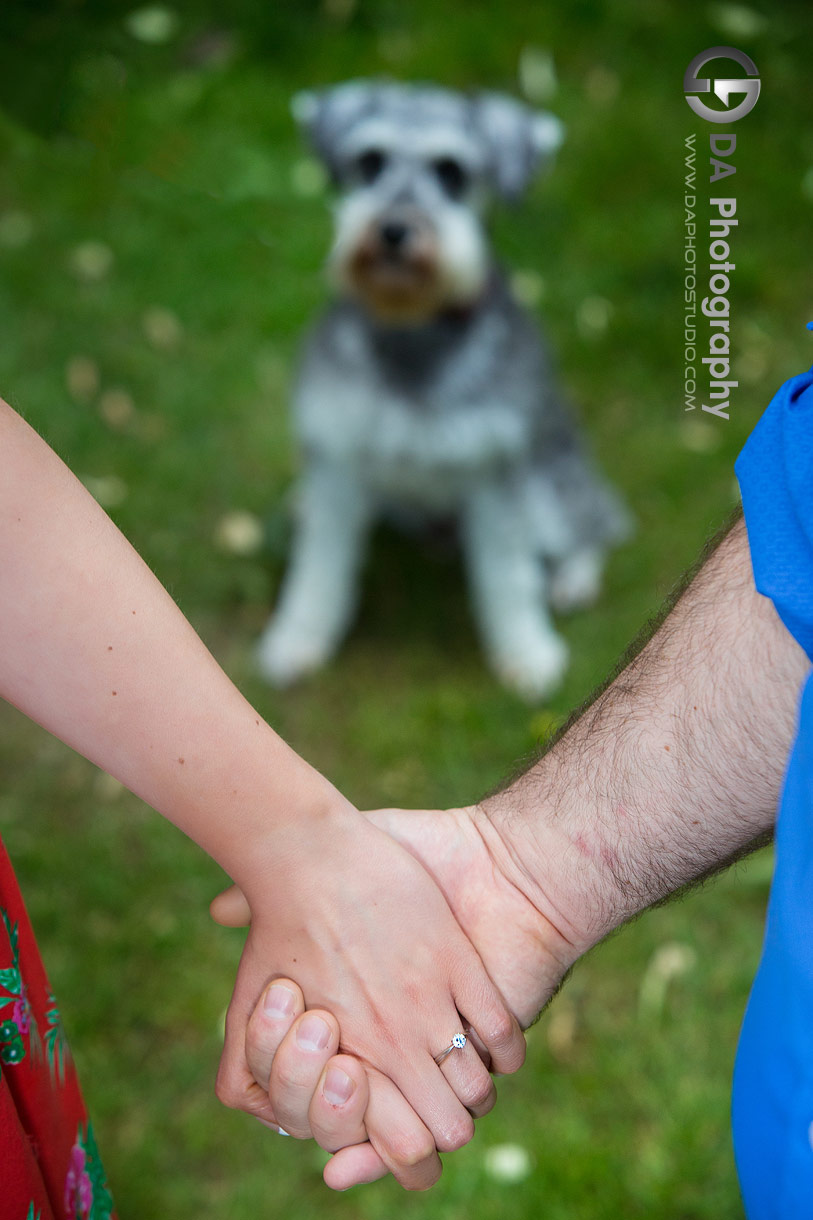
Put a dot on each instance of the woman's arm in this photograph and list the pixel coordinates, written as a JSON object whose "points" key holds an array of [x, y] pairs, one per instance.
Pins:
{"points": [[95, 650]]}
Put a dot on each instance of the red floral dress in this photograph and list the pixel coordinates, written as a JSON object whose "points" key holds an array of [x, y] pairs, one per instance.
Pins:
{"points": [[50, 1166]]}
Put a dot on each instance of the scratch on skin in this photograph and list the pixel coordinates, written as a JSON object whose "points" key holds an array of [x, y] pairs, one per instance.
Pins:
{"points": [[609, 858], [583, 846]]}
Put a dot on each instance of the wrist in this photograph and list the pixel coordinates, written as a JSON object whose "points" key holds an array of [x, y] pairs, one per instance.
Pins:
{"points": [[250, 802], [270, 847], [545, 842]]}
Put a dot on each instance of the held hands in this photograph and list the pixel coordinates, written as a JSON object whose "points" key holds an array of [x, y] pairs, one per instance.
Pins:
{"points": [[295, 1078], [370, 937]]}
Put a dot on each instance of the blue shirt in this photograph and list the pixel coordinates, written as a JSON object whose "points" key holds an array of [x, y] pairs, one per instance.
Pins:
{"points": [[772, 1104]]}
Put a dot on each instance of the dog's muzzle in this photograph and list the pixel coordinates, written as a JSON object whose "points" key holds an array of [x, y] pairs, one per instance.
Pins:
{"points": [[394, 267]]}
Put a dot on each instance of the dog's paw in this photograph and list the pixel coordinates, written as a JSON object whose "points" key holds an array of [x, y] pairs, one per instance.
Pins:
{"points": [[575, 581], [284, 656], [535, 670]]}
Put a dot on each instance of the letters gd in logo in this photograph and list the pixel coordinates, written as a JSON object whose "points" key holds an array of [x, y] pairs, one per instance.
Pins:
{"points": [[723, 87]]}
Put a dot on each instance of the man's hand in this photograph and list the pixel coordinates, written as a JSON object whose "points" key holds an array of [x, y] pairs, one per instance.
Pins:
{"points": [[333, 1098], [296, 1084]]}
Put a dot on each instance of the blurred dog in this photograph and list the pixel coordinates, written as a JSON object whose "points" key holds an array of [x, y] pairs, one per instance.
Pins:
{"points": [[426, 386]]}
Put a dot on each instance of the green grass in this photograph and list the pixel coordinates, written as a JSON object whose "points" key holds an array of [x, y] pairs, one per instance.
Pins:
{"points": [[181, 161]]}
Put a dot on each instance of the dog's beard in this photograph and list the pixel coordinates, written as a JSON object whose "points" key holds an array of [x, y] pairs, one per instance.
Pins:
{"points": [[442, 266], [395, 288]]}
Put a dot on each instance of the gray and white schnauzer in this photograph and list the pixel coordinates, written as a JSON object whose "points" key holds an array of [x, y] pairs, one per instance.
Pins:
{"points": [[427, 387]]}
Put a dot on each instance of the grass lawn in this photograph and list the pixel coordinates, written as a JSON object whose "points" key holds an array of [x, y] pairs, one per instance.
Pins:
{"points": [[162, 232]]}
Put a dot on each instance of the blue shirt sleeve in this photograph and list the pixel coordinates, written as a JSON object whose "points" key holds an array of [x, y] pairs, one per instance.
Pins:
{"points": [[775, 472]]}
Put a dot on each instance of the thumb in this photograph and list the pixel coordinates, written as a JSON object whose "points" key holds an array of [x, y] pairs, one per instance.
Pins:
{"points": [[230, 908]]}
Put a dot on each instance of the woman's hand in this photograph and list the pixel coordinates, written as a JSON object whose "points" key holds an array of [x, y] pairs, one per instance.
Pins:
{"points": [[370, 938]]}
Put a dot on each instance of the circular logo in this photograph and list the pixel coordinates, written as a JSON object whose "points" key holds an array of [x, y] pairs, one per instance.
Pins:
{"points": [[722, 86]]}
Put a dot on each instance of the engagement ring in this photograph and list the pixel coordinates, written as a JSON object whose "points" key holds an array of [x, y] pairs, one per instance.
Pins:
{"points": [[457, 1043]]}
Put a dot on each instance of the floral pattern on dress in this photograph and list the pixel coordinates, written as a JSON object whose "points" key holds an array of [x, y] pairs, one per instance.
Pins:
{"points": [[56, 1044], [21, 1022], [12, 1048], [86, 1193], [53, 1168]]}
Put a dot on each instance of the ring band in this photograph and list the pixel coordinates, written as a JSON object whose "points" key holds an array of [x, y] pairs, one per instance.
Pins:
{"points": [[457, 1043]]}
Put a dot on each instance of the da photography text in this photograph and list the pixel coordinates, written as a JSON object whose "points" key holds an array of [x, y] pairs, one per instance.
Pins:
{"points": [[710, 226]]}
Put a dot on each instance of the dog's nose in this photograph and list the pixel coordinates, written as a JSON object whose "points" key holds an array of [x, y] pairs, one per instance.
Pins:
{"points": [[394, 233]]}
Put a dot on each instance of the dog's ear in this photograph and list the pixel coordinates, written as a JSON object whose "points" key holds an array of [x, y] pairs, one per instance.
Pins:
{"points": [[326, 114], [520, 140]]}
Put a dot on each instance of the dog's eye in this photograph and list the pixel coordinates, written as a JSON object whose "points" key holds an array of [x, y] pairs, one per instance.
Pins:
{"points": [[370, 164], [452, 176]]}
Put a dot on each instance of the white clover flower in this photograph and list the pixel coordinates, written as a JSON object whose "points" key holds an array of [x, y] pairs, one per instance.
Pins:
{"points": [[91, 261], [154, 24], [161, 327], [108, 489], [117, 408], [537, 74], [507, 1162], [528, 287], [239, 532], [668, 962], [593, 316], [82, 378]]}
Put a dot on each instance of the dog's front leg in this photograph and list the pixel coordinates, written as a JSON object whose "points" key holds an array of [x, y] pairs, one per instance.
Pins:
{"points": [[319, 591], [508, 586]]}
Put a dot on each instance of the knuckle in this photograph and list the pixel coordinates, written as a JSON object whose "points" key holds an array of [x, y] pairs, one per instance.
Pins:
{"points": [[427, 1180], [513, 1056], [259, 1023], [501, 1029], [260, 1045], [478, 1093], [226, 1094], [292, 1125], [456, 1135], [284, 1076], [409, 1151]]}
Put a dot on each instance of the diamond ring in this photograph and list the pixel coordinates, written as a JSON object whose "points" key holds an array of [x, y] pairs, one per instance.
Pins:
{"points": [[457, 1043]]}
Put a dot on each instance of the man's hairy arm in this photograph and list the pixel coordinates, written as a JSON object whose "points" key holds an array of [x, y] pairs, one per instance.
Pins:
{"points": [[671, 772]]}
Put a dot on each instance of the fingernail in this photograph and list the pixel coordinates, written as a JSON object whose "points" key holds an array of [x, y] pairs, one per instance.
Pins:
{"points": [[279, 1002], [312, 1034], [338, 1087]]}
